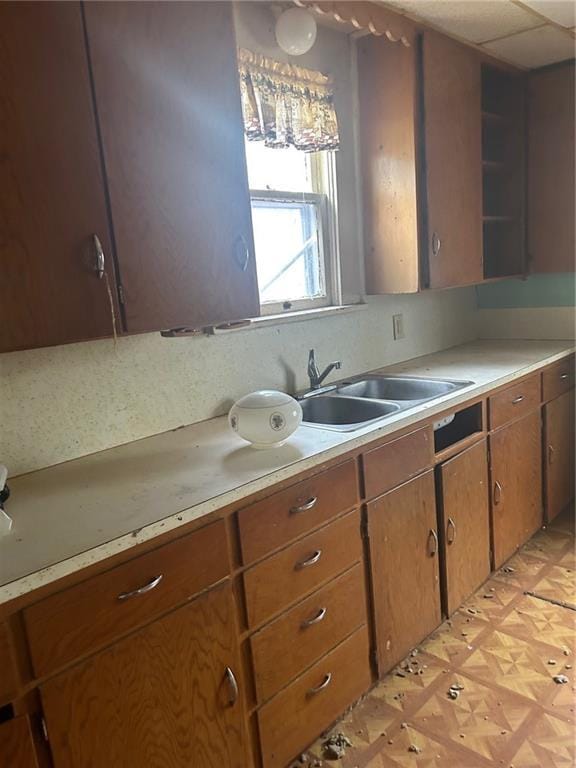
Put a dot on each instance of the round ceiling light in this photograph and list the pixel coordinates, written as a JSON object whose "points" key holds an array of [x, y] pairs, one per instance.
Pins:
{"points": [[296, 31]]}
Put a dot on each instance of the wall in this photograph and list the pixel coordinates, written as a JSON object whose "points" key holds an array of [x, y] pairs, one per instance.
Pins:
{"points": [[542, 306]]}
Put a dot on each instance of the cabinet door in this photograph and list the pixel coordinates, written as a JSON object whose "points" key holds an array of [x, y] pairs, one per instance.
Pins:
{"points": [[465, 522], [51, 190], [168, 99], [404, 568], [559, 453], [551, 160], [516, 478], [17, 748], [163, 697], [453, 146]]}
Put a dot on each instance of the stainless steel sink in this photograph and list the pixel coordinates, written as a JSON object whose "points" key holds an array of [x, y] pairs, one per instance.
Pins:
{"points": [[400, 388], [344, 413], [356, 403]]}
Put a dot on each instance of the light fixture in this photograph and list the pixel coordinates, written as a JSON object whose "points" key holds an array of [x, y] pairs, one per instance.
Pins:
{"points": [[296, 31]]}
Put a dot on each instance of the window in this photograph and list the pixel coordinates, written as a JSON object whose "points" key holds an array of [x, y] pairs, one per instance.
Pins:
{"points": [[294, 233]]}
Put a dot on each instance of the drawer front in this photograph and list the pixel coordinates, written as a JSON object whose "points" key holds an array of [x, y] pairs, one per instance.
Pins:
{"points": [[514, 401], [17, 744], [395, 462], [293, 719], [278, 519], [8, 674], [307, 632], [302, 567], [558, 378], [73, 622]]}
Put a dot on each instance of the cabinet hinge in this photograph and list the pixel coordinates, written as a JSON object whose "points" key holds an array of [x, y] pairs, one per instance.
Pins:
{"points": [[44, 729], [121, 296]]}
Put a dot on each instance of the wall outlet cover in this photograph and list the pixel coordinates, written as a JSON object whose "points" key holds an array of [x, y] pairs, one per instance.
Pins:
{"points": [[398, 327]]}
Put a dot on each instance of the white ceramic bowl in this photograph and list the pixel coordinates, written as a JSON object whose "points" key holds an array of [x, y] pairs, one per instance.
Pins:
{"points": [[265, 418]]}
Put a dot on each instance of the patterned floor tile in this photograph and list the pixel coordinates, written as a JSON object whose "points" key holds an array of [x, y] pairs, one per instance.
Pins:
{"points": [[558, 583], [492, 601], [525, 570], [430, 754], [536, 619], [565, 522], [548, 744], [403, 693], [568, 559], [547, 544], [456, 638]]}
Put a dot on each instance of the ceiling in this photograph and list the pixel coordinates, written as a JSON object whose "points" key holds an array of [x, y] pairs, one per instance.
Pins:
{"points": [[527, 33]]}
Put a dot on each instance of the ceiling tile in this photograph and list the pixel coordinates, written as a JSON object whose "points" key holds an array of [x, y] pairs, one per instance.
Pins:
{"points": [[561, 11], [475, 21], [534, 48]]}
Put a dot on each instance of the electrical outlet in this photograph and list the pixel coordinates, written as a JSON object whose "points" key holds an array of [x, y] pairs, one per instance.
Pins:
{"points": [[398, 326]]}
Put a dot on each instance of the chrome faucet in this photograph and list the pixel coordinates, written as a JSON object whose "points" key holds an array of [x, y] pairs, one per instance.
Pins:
{"points": [[316, 378]]}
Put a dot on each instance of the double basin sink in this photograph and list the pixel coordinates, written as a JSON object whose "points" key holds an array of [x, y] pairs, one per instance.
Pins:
{"points": [[359, 402]]}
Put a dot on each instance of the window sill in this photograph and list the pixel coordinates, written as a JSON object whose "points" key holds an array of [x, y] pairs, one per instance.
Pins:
{"points": [[285, 317]]}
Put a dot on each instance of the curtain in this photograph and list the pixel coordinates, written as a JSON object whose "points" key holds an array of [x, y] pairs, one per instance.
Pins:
{"points": [[285, 105]]}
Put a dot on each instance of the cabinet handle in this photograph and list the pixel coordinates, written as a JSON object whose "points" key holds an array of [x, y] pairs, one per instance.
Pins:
{"points": [[100, 261], [497, 493], [563, 376], [315, 619], [233, 685], [436, 243], [450, 525], [432, 542], [550, 454], [242, 253], [324, 684], [309, 561], [142, 590], [304, 507], [517, 399]]}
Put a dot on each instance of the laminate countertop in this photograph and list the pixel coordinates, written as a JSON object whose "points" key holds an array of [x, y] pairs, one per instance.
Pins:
{"points": [[81, 512]]}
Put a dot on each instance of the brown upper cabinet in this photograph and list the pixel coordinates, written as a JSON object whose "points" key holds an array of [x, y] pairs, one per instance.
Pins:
{"points": [[551, 161], [168, 98], [51, 186]]}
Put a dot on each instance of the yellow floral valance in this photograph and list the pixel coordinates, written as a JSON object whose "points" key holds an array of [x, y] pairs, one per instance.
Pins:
{"points": [[285, 105]]}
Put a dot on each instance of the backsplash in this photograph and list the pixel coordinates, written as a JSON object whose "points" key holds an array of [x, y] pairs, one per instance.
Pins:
{"points": [[64, 402]]}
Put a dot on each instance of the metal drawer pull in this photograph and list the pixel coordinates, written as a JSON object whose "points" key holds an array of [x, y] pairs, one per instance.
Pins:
{"points": [[142, 590], [324, 684], [563, 376], [450, 524], [315, 619], [242, 253], [432, 539], [550, 454], [517, 399], [233, 684], [305, 506], [497, 494], [436, 243], [100, 264], [312, 560]]}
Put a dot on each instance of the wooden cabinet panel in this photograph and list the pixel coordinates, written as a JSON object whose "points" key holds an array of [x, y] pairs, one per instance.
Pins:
{"points": [[167, 90], [9, 676], [453, 146], [294, 718], [514, 401], [559, 453], [558, 378], [299, 637], [516, 484], [161, 698], [465, 522], [51, 188], [282, 517], [396, 461], [17, 744], [551, 162], [404, 568], [300, 568], [79, 619]]}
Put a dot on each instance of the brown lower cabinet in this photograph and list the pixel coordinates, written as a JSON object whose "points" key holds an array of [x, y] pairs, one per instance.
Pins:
{"points": [[164, 697], [559, 453], [465, 523], [404, 568], [516, 484], [17, 744]]}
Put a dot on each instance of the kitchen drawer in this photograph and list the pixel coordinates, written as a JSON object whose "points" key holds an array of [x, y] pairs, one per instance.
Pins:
{"points": [[277, 520], [514, 401], [17, 744], [93, 613], [395, 462], [8, 674], [300, 568], [557, 379], [307, 632], [292, 720]]}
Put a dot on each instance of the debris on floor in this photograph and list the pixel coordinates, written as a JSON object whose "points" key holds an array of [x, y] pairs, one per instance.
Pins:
{"points": [[560, 679], [334, 748], [454, 690], [414, 748]]}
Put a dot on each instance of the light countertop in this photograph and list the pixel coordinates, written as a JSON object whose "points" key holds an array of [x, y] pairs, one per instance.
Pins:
{"points": [[78, 513]]}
